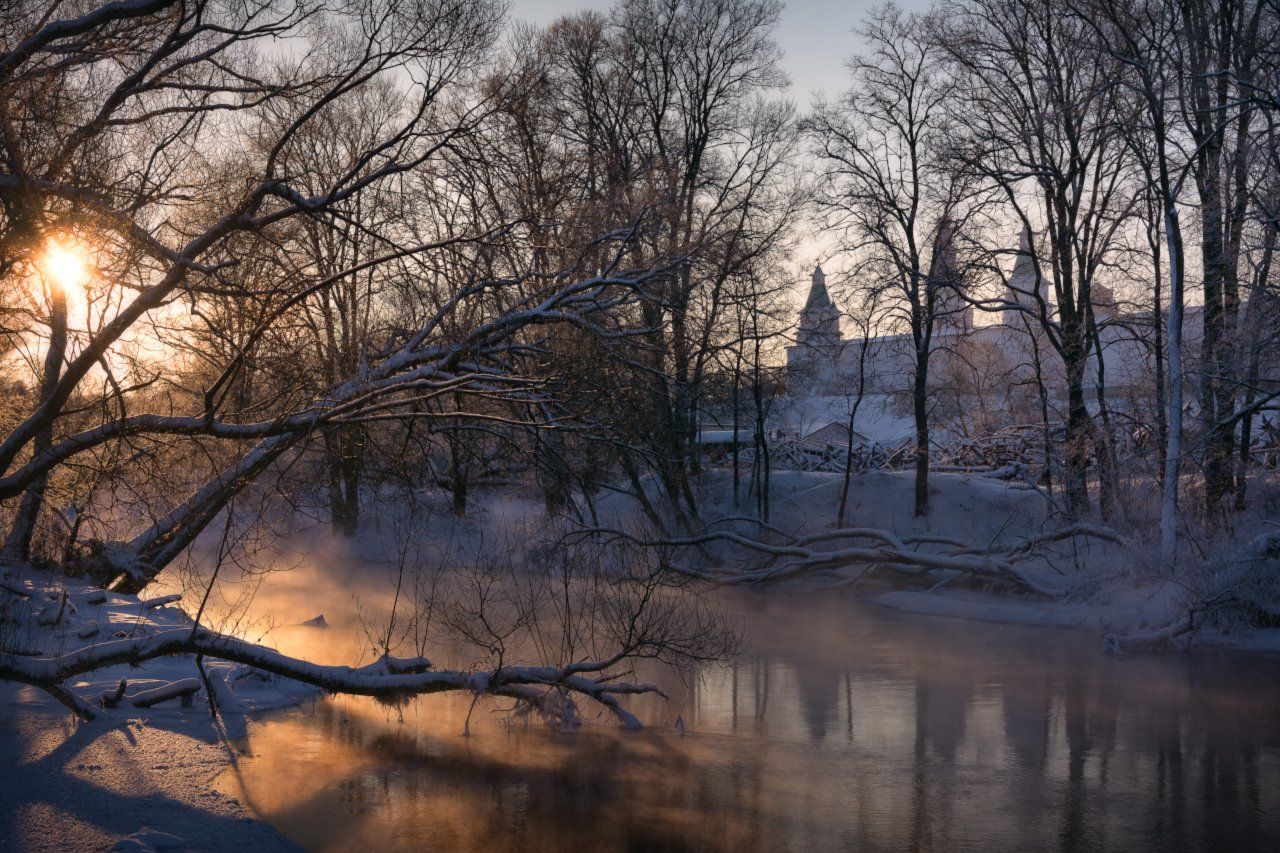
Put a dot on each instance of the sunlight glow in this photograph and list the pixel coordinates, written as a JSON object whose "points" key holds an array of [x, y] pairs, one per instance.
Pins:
{"points": [[65, 267]]}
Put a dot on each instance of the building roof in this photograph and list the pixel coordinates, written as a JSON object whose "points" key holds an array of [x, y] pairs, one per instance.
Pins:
{"points": [[833, 434]]}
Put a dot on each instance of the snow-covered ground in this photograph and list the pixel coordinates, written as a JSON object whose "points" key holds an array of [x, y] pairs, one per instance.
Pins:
{"points": [[142, 777], [73, 787]]}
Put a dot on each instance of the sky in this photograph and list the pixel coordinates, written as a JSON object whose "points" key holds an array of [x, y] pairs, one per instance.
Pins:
{"points": [[816, 36]]}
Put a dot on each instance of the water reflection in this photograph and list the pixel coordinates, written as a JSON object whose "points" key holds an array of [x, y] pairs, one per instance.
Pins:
{"points": [[842, 727]]}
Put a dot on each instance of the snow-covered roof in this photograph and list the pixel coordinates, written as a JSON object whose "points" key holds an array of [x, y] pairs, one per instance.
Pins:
{"points": [[876, 421], [834, 433]]}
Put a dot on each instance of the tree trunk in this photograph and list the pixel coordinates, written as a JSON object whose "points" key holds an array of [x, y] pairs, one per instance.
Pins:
{"points": [[1252, 377], [920, 408], [17, 545], [737, 471], [1104, 436], [1217, 452], [1173, 450], [1078, 434]]}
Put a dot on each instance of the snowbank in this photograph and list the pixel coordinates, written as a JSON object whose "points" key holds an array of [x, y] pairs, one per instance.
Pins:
{"points": [[142, 776]]}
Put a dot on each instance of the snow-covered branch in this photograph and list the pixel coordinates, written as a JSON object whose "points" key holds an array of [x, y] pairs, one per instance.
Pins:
{"points": [[543, 687]]}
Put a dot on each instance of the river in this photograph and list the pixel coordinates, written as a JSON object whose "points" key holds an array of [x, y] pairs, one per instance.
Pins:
{"points": [[842, 726]]}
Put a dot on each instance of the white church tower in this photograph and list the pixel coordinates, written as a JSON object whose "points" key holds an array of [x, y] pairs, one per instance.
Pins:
{"points": [[953, 310], [819, 319], [1022, 287], [814, 360]]}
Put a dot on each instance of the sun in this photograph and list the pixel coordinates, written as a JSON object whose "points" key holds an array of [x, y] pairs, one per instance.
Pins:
{"points": [[65, 267]]}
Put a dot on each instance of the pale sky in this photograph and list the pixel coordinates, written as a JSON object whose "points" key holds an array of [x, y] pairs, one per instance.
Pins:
{"points": [[816, 36]]}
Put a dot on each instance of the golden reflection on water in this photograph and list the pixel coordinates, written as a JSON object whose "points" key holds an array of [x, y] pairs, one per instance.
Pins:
{"points": [[842, 727]]}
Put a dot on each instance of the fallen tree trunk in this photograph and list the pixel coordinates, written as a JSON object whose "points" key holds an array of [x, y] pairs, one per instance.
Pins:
{"points": [[182, 689], [794, 557], [385, 678]]}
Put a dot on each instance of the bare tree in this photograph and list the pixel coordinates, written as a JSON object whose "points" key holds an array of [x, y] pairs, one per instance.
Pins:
{"points": [[1142, 37], [890, 196], [1039, 123], [1219, 45], [865, 319]]}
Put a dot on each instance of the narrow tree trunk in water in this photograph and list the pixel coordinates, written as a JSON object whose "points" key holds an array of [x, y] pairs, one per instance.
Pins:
{"points": [[344, 460]]}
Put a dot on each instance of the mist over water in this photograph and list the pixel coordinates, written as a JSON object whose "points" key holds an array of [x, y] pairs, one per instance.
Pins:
{"points": [[841, 726]]}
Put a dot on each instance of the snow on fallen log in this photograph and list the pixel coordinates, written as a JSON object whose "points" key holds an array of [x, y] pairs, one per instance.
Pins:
{"points": [[183, 689], [111, 698], [391, 665], [222, 678], [1165, 637], [885, 549], [1083, 530], [161, 601], [88, 630]]}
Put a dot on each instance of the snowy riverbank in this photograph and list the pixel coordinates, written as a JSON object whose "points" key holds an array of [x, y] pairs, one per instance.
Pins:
{"points": [[1105, 585], [74, 786], [138, 778]]}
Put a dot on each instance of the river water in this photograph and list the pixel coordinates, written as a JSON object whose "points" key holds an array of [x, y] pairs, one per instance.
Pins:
{"points": [[842, 726]]}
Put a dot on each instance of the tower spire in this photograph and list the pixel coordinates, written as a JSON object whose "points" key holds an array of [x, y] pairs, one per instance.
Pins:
{"points": [[819, 319], [818, 296]]}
